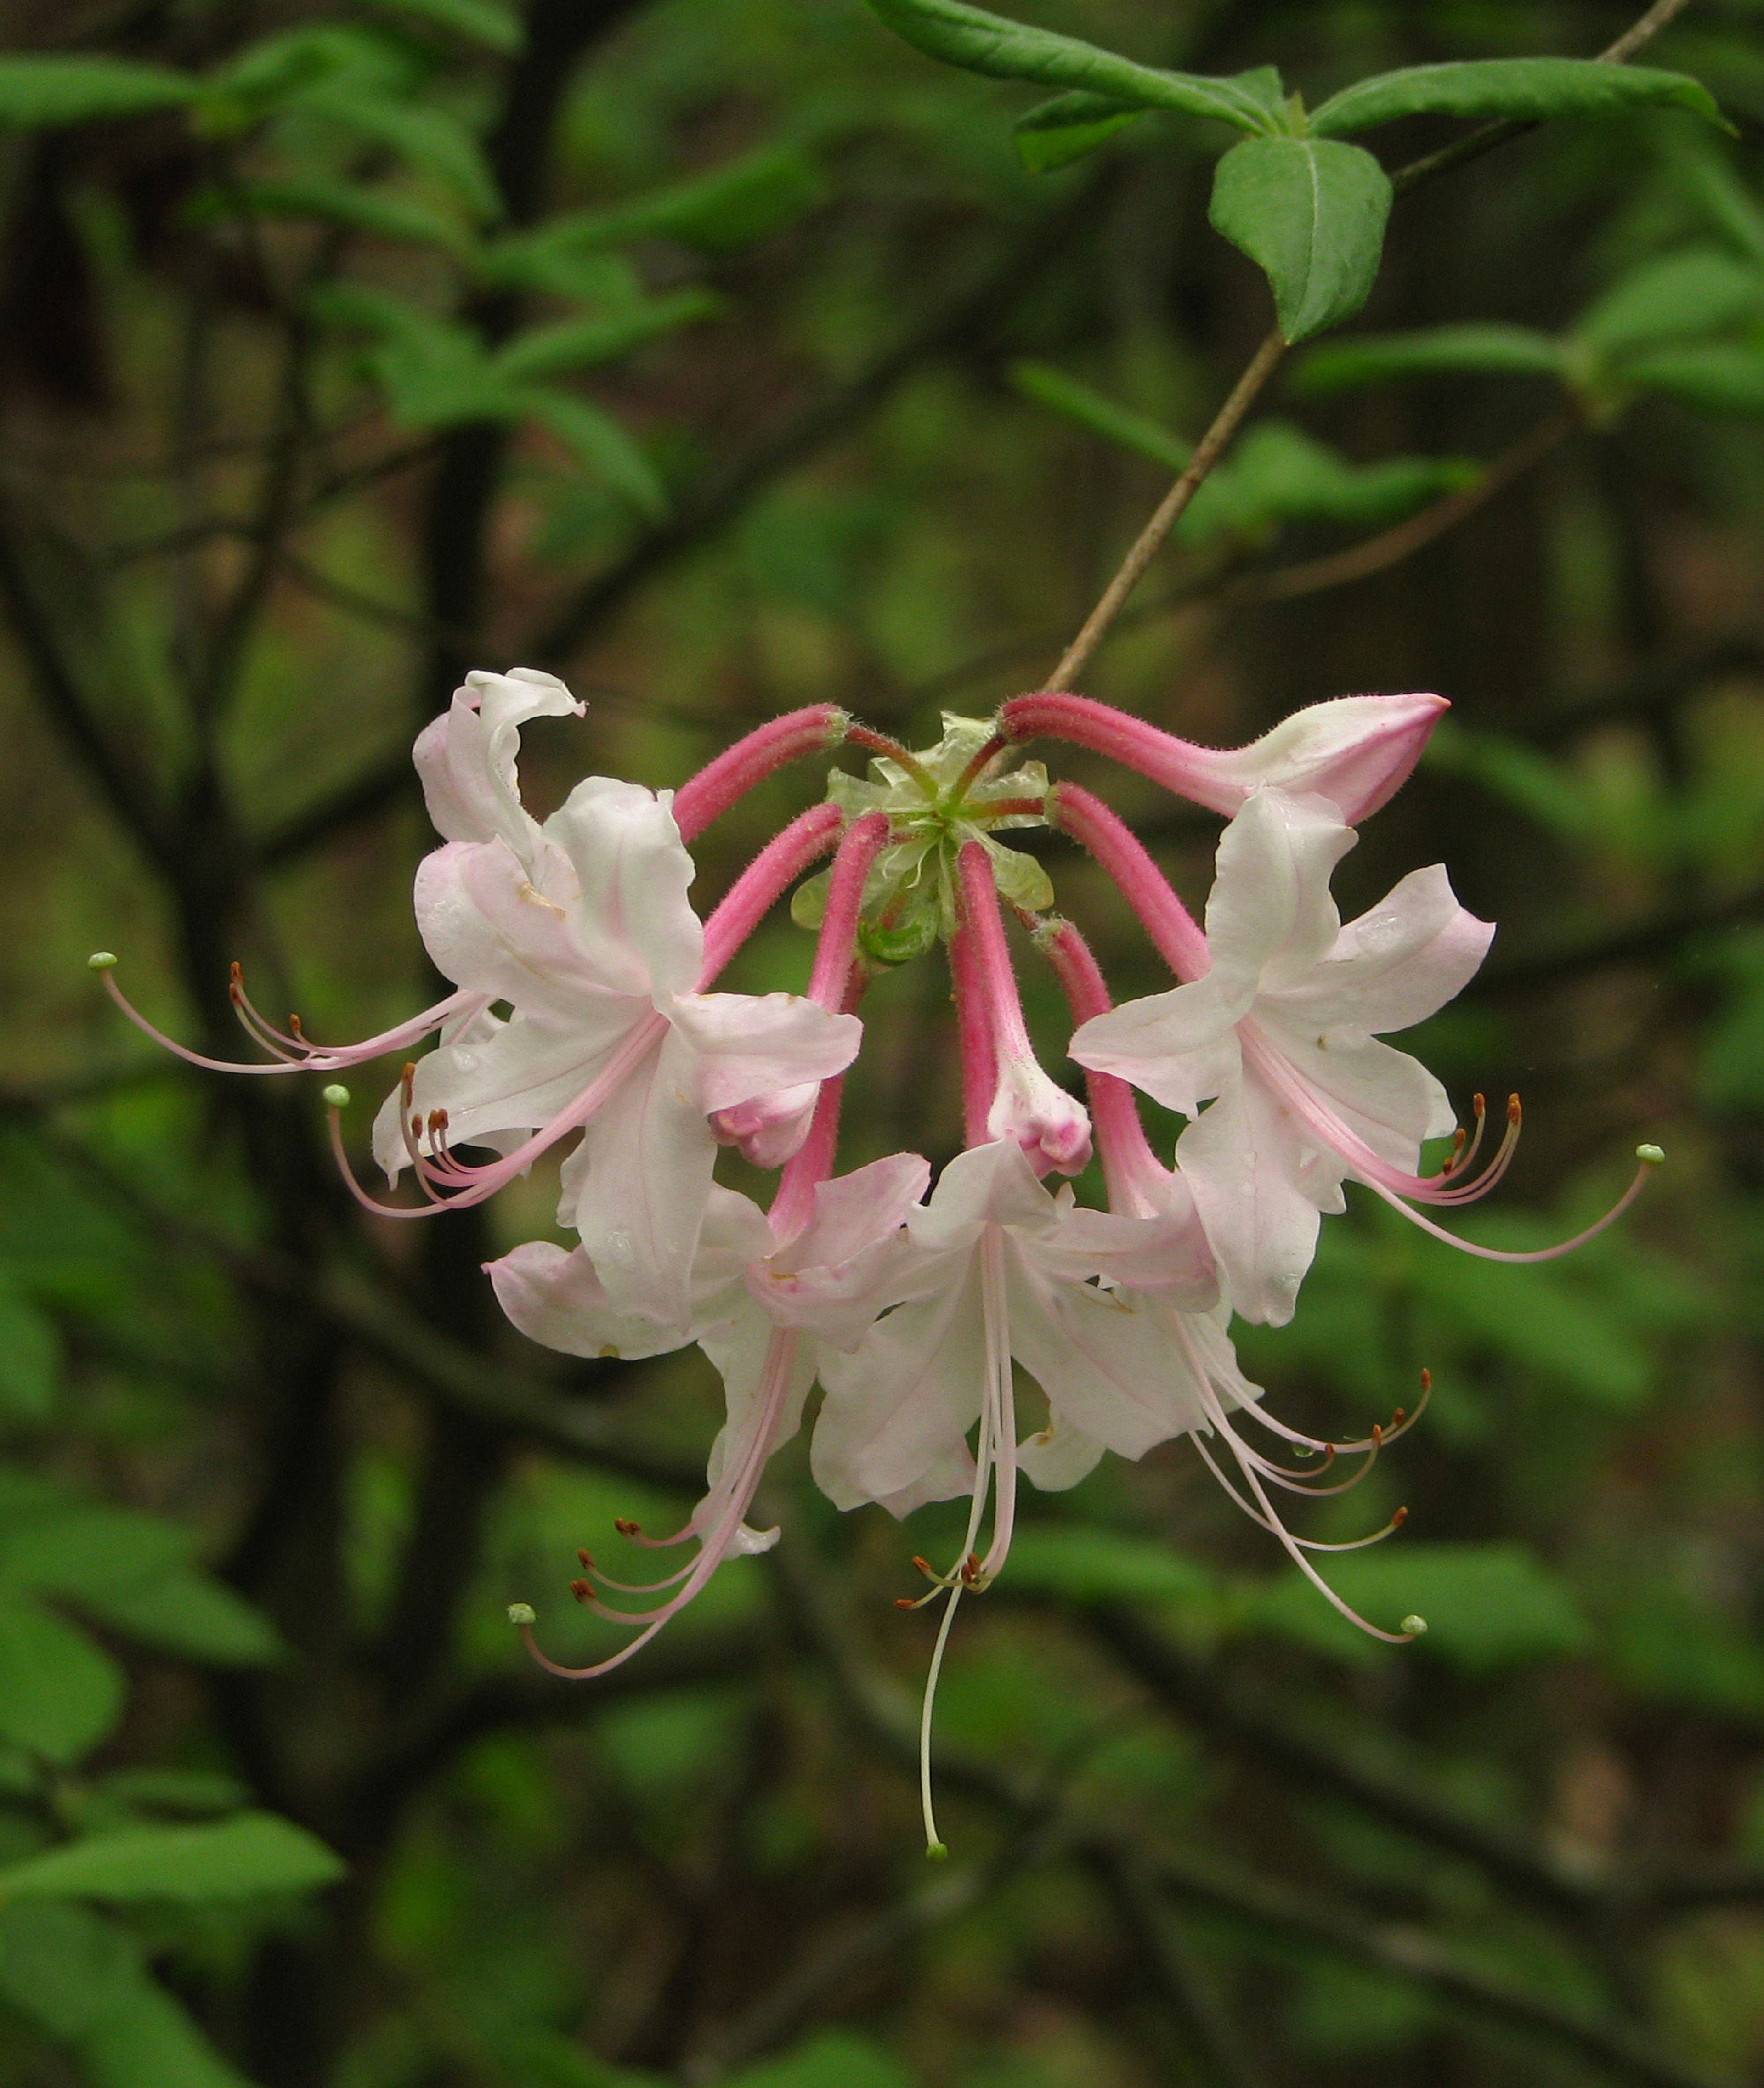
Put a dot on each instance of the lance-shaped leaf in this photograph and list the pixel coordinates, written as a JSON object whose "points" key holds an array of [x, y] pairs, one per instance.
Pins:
{"points": [[482, 20], [1065, 129], [580, 344], [1048, 387], [600, 442], [979, 42], [425, 137], [1717, 376], [82, 1979], [1698, 290], [1698, 168], [40, 94], [1278, 473], [1071, 125], [1311, 214], [59, 1694], [356, 208], [1491, 348], [253, 1852], [1526, 89]]}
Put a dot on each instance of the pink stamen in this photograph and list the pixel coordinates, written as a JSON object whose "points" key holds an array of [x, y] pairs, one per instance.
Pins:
{"points": [[763, 883], [974, 1035], [484, 1181], [736, 1488], [320, 1059], [1172, 928], [728, 779]]}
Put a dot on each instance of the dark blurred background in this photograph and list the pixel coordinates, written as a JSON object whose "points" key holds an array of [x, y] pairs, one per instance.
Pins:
{"points": [[801, 405]]}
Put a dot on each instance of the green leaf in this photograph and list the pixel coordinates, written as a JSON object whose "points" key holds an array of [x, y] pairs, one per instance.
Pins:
{"points": [[1486, 1605], [1312, 216], [1710, 182], [1065, 129], [1048, 387], [30, 1358], [482, 20], [356, 208], [253, 1852], [731, 206], [601, 444], [192, 1792], [979, 42], [1487, 348], [279, 67], [1700, 290], [1546, 790], [82, 1980], [425, 137], [188, 1613], [1719, 378], [580, 344], [1278, 473], [1086, 1565], [1527, 89], [42, 93], [835, 2059], [59, 1694]]}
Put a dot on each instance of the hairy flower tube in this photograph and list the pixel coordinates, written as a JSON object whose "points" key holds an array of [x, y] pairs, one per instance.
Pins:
{"points": [[582, 1008]]}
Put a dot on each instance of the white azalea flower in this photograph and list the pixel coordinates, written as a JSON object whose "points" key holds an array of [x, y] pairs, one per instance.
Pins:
{"points": [[1281, 1035]]}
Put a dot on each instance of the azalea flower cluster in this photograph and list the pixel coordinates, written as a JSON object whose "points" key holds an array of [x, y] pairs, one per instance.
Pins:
{"points": [[584, 1008]]}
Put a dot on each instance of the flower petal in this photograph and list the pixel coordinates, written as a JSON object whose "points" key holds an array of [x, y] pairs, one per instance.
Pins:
{"points": [[747, 1044], [898, 1409], [1396, 965], [488, 927], [1058, 1456], [553, 1295], [634, 922], [1270, 916], [1389, 1098], [1110, 1362], [1355, 751], [465, 758], [636, 1186], [1243, 1158], [1180, 1047]]}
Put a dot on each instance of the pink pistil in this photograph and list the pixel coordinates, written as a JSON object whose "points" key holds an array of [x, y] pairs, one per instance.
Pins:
{"points": [[1172, 928], [726, 780]]}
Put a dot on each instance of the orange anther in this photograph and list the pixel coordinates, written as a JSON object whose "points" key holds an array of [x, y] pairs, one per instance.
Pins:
{"points": [[1399, 1518], [584, 1556], [627, 1528], [905, 1603], [581, 1591]]}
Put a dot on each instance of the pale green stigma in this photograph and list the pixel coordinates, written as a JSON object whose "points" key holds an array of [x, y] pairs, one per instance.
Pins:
{"points": [[1650, 1156], [1412, 1626], [102, 961], [522, 1613], [336, 1096], [937, 1852]]}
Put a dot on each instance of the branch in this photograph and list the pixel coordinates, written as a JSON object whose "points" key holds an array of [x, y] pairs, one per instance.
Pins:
{"points": [[119, 780]]}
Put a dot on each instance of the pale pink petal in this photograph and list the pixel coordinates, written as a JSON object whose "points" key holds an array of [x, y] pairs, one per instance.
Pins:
{"points": [[1180, 1047], [993, 1181], [1389, 1099], [1242, 1158], [1108, 1360], [747, 1044], [633, 921], [739, 1346], [635, 1188], [488, 927], [898, 1409], [1396, 964], [466, 757], [1058, 1456], [1032, 1109], [1270, 916], [553, 1295], [1355, 751], [497, 1078], [1168, 1254]]}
